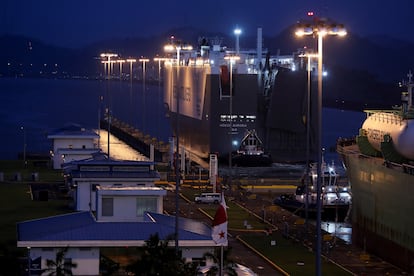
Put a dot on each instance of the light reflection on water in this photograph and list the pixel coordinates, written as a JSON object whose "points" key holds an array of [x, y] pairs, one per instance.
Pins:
{"points": [[118, 149]]}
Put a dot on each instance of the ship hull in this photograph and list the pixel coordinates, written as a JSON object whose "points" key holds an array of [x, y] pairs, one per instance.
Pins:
{"points": [[382, 207], [203, 126]]}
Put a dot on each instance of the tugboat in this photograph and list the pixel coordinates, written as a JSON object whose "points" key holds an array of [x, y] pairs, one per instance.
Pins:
{"points": [[251, 152], [336, 198]]}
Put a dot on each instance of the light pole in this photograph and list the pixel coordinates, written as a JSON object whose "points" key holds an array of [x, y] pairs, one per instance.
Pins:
{"points": [[120, 61], [237, 32], [319, 28], [144, 61], [232, 60], [24, 146], [104, 62], [159, 59], [108, 110], [171, 48], [131, 60], [309, 56], [109, 56]]}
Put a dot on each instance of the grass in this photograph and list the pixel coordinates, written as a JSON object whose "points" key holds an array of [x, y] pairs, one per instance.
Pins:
{"points": [[16, 205], [237, 217], [10, 168], [290, 255]]}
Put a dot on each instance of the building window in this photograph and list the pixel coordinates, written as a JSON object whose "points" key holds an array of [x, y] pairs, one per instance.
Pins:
{"points": [[107, 207], [146, 204]]}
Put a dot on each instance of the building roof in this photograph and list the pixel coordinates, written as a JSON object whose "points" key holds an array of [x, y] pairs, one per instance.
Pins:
{"points": [[110, 169], [72, 130], [83, 230]]}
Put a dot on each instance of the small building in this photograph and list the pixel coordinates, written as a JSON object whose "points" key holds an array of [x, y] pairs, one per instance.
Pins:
{"points": [[71, 143], [112, 177], [83, 235]]}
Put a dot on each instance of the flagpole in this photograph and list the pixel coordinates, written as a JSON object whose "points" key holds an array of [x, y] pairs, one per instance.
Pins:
{"points": [[221, 261], [219, 230]]}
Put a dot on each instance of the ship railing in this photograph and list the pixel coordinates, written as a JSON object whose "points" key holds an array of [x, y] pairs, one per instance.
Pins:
{"points": [[388, 116]]}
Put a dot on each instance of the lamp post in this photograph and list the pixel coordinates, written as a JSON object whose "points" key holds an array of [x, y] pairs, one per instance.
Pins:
{"points": [[232, 60], [109, 56], [159, 59], [144, 61], [237, 32], [319, 28], [108, 110], [24, 146], [177, 48], [120, 61], [130, 60], [309, 56]]}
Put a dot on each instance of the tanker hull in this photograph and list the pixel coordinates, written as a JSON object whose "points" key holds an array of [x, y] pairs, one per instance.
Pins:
{"points": [[382, 206]]}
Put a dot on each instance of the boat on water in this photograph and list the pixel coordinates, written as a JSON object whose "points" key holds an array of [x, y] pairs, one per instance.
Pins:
{"points": [[251, 152], [220, 98], [380, 167], [336, 196]]}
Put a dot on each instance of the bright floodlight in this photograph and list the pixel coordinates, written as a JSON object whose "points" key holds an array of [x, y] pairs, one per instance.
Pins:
{"points": [[237, 31]]}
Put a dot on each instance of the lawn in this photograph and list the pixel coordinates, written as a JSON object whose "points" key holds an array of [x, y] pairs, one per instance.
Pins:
{"points": [[290, 255], [16, 205]]}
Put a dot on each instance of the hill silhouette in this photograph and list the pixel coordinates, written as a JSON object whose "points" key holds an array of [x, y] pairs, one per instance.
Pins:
{"points": [[363, 71]]}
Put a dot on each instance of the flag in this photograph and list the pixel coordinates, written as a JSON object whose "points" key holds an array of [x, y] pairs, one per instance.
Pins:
{"points": [[219, 231]]}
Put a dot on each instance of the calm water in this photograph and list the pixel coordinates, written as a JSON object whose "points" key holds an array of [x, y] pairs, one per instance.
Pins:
{"points": [[43, 105]]}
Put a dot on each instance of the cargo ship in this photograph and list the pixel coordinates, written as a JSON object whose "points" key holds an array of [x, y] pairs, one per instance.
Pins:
{"points": [[224, 94], [380, 167]]}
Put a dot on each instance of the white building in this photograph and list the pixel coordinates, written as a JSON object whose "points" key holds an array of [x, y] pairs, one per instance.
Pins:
{"points": [[86, 177], [84, 235], [123, 209], [71, 143]]}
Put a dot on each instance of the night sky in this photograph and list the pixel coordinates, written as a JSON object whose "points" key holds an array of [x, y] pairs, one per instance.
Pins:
{"points": [[76, 23]]}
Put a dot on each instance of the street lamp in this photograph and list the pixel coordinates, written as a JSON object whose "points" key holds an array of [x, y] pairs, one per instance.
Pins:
{"points": [[108, 110], [24, 146], [231, 59], [171, 48], [237, 32], [131, 60], [120, 61], [144, 61], [309, 56], [159, 59], [319, 28], [109, 56]]}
